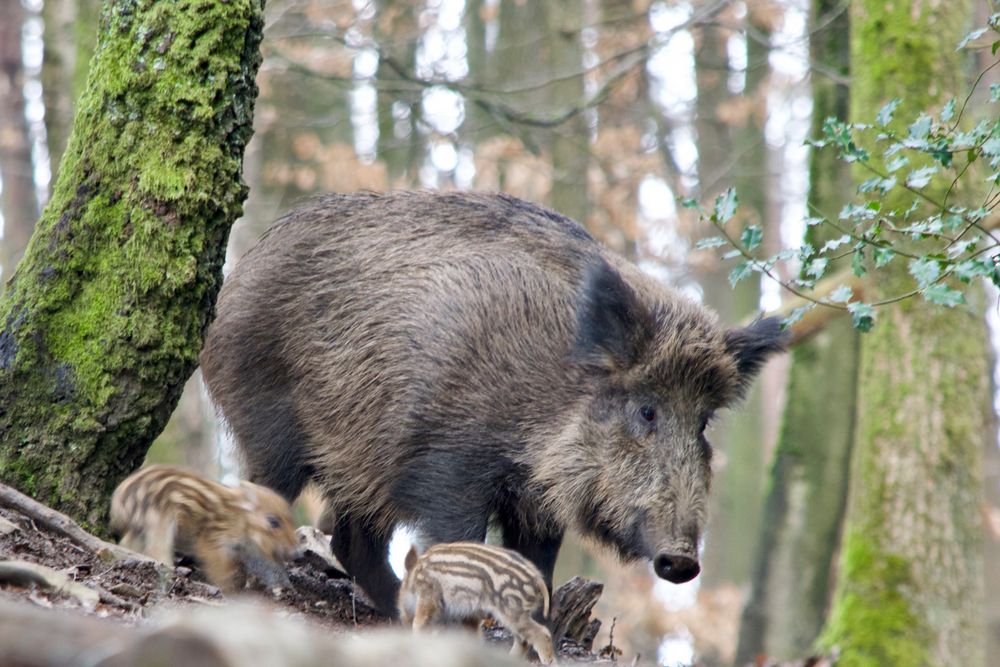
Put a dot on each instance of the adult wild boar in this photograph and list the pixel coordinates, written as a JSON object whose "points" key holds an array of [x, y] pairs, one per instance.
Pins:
{"points": [[448, 360]]}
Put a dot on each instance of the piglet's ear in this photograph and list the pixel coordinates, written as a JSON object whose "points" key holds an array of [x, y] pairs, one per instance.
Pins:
{"points": [[411, 558], [613, 325], [751, 346]]}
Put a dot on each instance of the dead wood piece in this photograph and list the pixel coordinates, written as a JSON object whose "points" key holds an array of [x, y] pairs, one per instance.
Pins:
{"points": [[37, 637], [23, 573], [63, 525], [7, 527], [230, 636], [316, 552], [572, 604]]}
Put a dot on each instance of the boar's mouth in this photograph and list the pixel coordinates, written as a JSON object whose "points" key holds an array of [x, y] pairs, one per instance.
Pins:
{"points": [[627, 539]]}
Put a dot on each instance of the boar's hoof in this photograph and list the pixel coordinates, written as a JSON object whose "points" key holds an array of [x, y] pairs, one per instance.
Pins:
{"points": [[676, 569]]}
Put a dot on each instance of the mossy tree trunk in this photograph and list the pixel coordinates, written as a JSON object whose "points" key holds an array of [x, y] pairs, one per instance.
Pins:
{"points": [[910, 573], [808, 479], [103, 320]]}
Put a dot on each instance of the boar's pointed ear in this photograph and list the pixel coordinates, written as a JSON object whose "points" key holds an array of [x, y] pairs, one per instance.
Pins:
{"points": [[411, 558], [752, 345], [613, 325]]}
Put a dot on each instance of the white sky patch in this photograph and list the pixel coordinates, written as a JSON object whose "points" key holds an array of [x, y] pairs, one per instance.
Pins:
{"points": [[443, 49], [993, 323], [444, 157], [444, 109], [672, 66], [770, 294], [491, 27], [364, 120], [673, 85], [736, 54], [790, 106], [465, 170], [32, 51]]}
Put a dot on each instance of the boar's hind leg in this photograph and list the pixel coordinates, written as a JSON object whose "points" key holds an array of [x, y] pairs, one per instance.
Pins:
{"points": [[538, 547], [364, 553]]}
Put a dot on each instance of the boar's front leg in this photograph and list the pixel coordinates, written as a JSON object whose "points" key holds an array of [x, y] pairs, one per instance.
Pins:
{"points": [[363, 551], [540, 547]]}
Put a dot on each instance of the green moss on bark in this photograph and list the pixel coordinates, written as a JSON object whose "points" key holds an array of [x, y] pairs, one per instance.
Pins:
{"points": [[104, 318], [874, 617]]}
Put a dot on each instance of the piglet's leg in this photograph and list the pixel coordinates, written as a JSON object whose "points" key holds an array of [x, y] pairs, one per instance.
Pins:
{"points": [[159, 538], [426, 613], [220, 565], [540, 639]]}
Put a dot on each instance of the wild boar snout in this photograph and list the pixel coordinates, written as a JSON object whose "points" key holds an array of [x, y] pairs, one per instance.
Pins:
{"points": [[676, 568]]}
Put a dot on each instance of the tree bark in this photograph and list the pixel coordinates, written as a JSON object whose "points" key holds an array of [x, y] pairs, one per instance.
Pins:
{"points": [[103, 321], [19, 203], [808, 479], [910, 573]]}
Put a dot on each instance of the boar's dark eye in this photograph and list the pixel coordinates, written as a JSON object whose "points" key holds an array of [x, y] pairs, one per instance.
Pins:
{"points": [[273, 521], [647, 413]]}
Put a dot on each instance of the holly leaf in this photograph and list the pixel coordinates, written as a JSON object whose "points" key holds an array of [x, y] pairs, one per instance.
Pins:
{"points": [[918, 178], [739, 272], [970, 268], [943, 295], [884, 116], [897, 163], [817, 267], [710, 242], [882, 256], [796, 315], [924, 271], [833, 244], [920, 128], [971, 37], [751, 237], [857, 262], [842, 294], [948, 111], [725, 206], [862, 316]]}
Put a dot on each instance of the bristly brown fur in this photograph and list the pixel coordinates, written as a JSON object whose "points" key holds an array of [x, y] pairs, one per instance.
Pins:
{"points": [[232, 531], [466, 581], [450, 359]]}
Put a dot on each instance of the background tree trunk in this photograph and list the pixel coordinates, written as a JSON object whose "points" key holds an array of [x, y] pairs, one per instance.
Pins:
{"points": [[19, 203], [735, 511], [103, 322], [568, 144], [70, 35], [910, 587], [808, 486]]}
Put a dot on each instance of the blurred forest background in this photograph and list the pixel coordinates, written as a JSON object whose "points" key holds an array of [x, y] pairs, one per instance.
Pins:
{"points": [[608, 111]]}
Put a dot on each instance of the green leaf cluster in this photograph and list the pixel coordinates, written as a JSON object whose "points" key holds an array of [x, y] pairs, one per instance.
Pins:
{"points": [[930, 196]]}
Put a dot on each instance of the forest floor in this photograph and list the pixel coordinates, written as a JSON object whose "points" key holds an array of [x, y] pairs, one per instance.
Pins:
{"points": [[48, 565], [80, 580]]}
